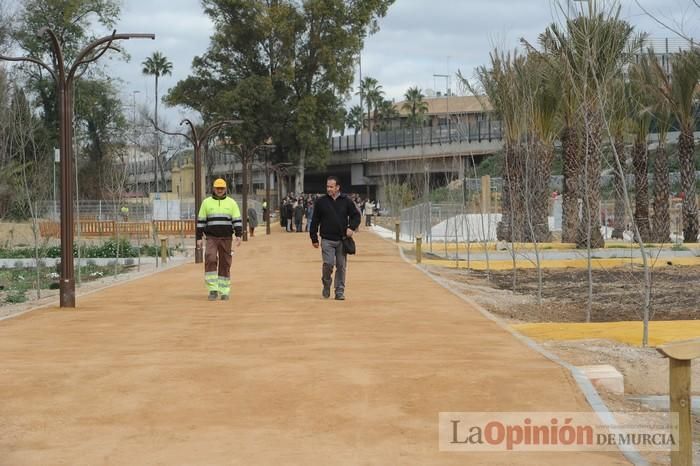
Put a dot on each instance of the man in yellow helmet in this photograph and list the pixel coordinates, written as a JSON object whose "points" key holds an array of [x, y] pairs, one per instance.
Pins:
{"points": [[218, 219]]}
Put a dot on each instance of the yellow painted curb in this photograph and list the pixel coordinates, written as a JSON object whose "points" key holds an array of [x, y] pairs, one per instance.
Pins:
{"points": [[630, 333], [491, 246], [558, 264]]}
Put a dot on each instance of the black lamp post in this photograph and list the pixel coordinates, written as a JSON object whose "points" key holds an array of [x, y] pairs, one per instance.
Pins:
{"points": [[64, 77]]}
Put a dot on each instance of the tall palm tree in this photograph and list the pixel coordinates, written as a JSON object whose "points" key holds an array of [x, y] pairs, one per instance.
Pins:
{"points": [[372, 93], [594, 47], [658, 83], [554, 53], [157, 65], [415, 106], [618, 122], [541, 95], [679, 92], [500, 83], [641, 108]]}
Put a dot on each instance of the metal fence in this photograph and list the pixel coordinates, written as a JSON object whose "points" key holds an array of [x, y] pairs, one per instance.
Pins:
{"points": [[139, 210], [486, 130], [448, 223]]}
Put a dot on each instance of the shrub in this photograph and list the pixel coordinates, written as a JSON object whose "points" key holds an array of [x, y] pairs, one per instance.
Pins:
{"points": [[15, 297]]}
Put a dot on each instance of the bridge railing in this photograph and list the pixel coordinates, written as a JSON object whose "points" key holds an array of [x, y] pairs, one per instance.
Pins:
{"points": [[486, 130]]}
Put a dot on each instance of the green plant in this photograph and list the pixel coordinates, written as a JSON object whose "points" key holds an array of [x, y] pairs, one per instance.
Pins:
{"points": [[15, 297]]}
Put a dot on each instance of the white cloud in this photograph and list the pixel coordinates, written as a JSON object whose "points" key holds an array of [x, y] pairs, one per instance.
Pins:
{"points": [[417, 38]]}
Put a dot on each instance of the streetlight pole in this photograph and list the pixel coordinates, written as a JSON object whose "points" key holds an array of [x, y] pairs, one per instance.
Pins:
{"points": [[64, 76], [197, 139], [268, 171], [134, 135]]}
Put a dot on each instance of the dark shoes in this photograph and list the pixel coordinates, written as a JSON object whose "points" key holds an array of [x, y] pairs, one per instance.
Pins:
{"points": [[224, 297], [213, 295], [326, 293], [339, 297]]}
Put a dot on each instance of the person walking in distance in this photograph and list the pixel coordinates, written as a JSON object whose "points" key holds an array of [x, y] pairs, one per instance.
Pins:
{"points": [[299, 216], [218, 219], [336, 216], [252, 221], [369, 211]]}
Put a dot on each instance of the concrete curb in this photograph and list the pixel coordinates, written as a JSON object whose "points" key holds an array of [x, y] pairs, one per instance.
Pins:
{"points": [[55, 301], [592, 396]]}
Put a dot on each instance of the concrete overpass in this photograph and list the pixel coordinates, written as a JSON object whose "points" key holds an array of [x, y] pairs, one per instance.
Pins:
{"points": [[365, 163]]}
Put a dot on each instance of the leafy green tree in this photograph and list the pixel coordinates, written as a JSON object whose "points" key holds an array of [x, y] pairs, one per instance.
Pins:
{"points": [[306, 51], [72, 22], [102, 124]]}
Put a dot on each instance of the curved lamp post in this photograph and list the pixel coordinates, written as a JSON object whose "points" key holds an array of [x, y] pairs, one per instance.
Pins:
{"points": [[64, 76], [278, 168], [197, 139]]}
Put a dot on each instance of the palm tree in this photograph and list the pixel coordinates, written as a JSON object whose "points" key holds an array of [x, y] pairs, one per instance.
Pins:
{"points": [[679, 91], [500, 83], [157, 65], [372, 93], [593, 48], [541, 95], [659, 84], [354, 117], [554, 54], [641, 107], [415, 106], [618, 122], [555, 51], [386, 112]]}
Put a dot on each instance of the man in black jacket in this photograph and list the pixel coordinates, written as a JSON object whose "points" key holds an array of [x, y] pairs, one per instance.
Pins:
{"points": [[337, 217]]}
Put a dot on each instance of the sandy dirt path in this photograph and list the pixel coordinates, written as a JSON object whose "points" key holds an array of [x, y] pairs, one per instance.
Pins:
{"points": [[150, 372]]}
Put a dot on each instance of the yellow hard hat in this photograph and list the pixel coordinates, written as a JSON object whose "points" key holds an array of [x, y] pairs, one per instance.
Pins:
{"points": [[220, 183]]}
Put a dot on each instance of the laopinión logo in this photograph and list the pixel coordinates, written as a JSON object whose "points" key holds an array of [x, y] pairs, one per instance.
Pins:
{"points": [[557, 431]]}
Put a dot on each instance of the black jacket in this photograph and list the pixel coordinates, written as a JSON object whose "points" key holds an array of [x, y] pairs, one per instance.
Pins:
{"points": [[299, 213], [333, 217]]}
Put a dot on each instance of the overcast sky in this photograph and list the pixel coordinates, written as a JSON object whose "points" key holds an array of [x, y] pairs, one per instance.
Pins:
{"points": [[417, 39]]}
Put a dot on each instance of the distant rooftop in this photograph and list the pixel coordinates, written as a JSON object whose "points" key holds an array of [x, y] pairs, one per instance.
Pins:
{"points": [[453, 104]]}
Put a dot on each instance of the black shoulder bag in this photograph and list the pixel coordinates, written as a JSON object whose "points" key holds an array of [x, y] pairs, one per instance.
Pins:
{"points": [[348, 242]]}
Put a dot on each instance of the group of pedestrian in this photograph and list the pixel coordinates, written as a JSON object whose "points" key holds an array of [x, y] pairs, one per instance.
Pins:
{"points": [[294, 210], [333, 216]]}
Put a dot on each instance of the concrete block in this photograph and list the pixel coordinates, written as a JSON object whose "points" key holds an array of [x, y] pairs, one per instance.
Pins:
{"points": [[605, 377]]}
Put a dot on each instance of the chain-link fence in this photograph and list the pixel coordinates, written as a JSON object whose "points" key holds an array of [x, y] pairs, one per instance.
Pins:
{"points": [[463, 214]]}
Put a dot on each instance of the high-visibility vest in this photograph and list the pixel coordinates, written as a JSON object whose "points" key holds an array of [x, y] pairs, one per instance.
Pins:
{"points": [[219, 218]]}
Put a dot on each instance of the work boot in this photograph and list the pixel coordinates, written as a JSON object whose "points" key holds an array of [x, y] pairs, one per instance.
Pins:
{"points": [[339, 297], [224, 297], [213, 295], [326, 293]]}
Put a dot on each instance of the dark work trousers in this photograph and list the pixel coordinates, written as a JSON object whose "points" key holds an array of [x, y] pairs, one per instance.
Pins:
{"points": [[217, 264]]}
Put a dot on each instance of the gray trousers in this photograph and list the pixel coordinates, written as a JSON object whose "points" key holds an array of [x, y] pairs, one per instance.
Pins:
{"points": [[333, 256]]}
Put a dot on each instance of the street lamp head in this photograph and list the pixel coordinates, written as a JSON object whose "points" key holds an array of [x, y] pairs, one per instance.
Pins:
{"points": [[137, 36]]}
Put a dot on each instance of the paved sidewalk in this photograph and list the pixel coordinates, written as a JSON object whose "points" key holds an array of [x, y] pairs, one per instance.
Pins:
{"points": [[150, 372]]}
